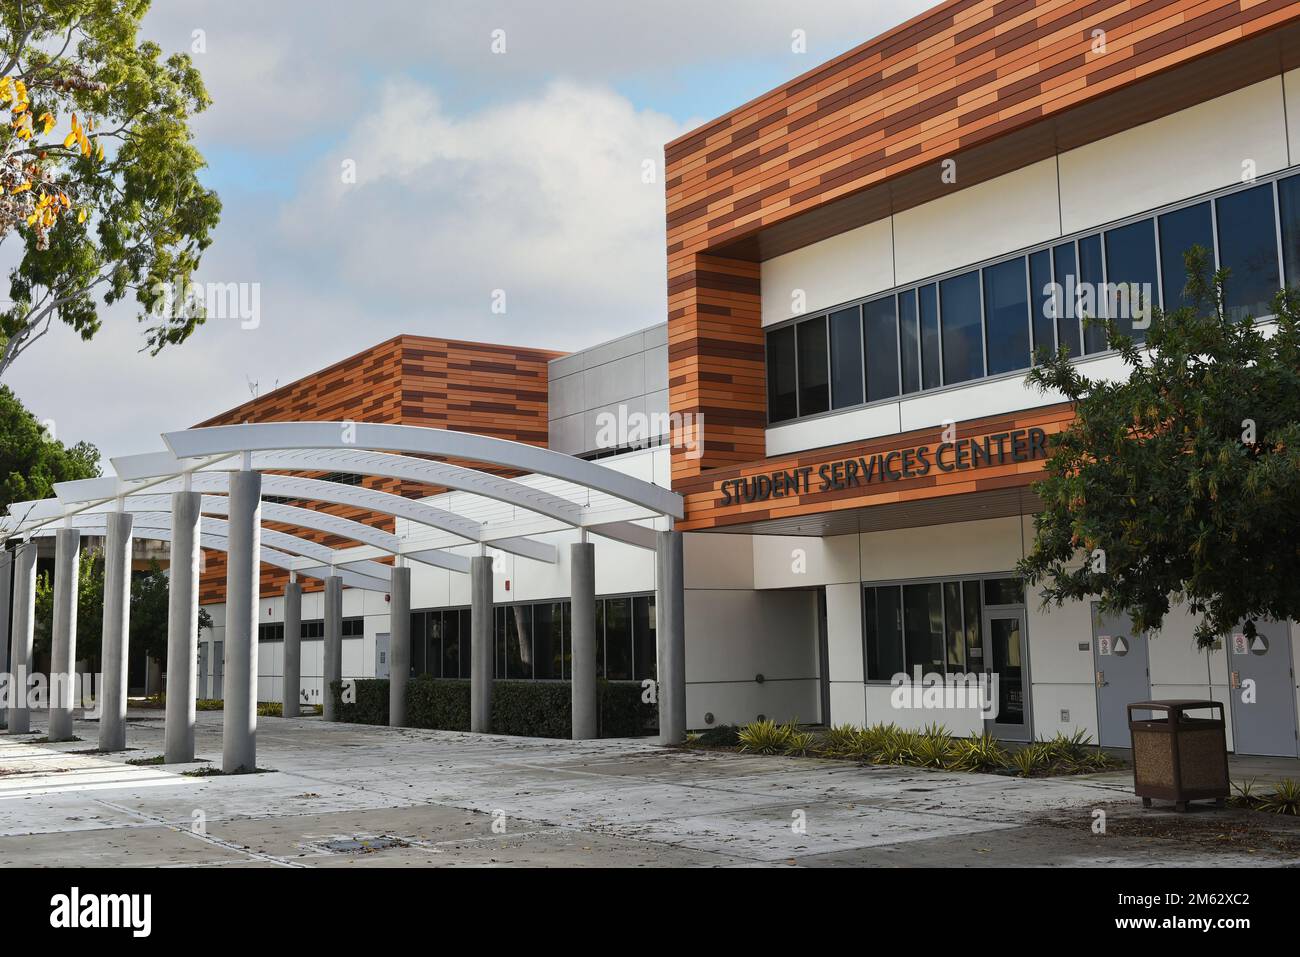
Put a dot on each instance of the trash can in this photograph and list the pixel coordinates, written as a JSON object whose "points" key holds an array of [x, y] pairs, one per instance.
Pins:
{"points": [[1177, 757]]}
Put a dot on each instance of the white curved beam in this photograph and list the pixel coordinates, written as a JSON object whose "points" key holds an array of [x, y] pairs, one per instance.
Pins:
{"points": [[411, 439]]}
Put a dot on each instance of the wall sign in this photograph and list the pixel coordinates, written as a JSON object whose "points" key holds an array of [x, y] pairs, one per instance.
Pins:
{"points": [[1001, 448]]}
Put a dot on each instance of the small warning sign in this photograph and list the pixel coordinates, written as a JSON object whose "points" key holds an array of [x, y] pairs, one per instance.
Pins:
{"points": [[1239, 644], [1121, 645], [1103, 645], [1259, 645]]}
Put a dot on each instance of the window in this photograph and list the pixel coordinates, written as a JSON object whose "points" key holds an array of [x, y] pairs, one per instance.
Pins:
{"points": [[846, 358], [954, 627], [1288, 201], [881, 328], [927, 298], [354, 627], [959, 310], [1006, 316], [1042, 302], [782, 394], [455, 644], [1132, 288], [313, 629], [646, 663], [1067, 293], [1179, 232], [923, 627], [814, 372], [1091, 276], [909, 341], [548, 640], [884, 636], [271, 632], [1004, 591], [1248, 249], [618, 639]]}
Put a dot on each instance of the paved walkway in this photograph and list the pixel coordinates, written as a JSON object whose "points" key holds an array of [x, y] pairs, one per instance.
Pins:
{"points": [[347, 795]]}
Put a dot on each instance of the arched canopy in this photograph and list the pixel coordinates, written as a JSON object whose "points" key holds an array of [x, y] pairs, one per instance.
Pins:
{"points": [[481, 508]]}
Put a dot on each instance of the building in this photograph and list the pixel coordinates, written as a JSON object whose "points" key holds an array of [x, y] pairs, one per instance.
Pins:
{"points": [[856, 265]]}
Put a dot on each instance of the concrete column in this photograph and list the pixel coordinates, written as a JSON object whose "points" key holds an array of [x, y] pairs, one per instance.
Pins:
{"points": [[333, 642], [182, 629], [6, 598], [243, 583], [117, 631], [586, 643], [20, 653], [292, 650], [480, 654], [399, 645], [670, 632], [63, 643]]}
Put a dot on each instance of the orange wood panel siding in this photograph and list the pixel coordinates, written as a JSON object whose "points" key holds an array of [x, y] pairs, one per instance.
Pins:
{"points": [[805, 159], [706, 495], [488, 389]]}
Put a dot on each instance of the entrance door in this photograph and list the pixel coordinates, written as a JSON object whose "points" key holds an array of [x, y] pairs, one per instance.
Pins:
{"points": [[203, 669], [1121, 672], [381, 655], [1262, 686], [1006, 662]]}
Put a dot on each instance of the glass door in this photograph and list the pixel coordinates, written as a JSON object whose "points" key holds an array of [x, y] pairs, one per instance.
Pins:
{"points": [[1006, 669]]}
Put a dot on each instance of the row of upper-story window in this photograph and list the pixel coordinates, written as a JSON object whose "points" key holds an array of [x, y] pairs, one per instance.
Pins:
{"points": [[994, 319]]}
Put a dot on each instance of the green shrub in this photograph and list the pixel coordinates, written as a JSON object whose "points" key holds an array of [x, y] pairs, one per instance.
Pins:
{"points": [[842, 741], [1283, 799], [539, 709], [800, 742], [765, 737], [723, 736], [982, 753]]}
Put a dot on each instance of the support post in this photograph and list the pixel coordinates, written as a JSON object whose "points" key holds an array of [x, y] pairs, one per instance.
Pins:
{"points": [[63, 642], [243, 583], [20, 655], [586, 649], [182, 629], [333, 642], [116, 631], [670, 631], [480, 656], [399, 645], [6, 599], [292, 650]]}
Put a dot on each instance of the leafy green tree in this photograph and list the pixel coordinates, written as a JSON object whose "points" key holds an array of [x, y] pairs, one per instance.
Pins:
{"points": [[90, 607], [149, 598], [31, 461], [98, 172], [1181, 481], [149, 602]]}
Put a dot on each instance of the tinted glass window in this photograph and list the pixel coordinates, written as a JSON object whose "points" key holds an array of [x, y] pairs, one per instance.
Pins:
{"points": [[1067, 310], [1179, 232], [782, 398], [1131, 276], [923, 626], [959, 309], [927, 299], [846, 358], [814, 385], [618, 639], [954, 627], [1288, 198], [547, 623], [455, 628], [970, 606], [881, 327], [1004, 591], [1248, 248], [1092, 305], [883, 633], [1006, 316], [1042, 302], [643, 637], [909, 341]]}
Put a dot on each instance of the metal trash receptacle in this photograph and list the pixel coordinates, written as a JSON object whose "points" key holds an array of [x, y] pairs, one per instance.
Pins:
{"points": [[1179, 758]]}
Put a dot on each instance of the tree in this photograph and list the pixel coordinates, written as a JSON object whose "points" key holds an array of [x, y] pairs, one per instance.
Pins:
{"points": [[149, 601], [1181, 482], [98, 173], [31, 460], [149, 611], [90, 606]]}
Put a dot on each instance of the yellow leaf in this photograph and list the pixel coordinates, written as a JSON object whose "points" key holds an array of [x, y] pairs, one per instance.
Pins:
{"points": [[47, 119], [32, 218], [81, 216], [69, 140]]}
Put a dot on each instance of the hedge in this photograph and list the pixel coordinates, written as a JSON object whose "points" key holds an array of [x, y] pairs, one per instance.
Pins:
{"points": [[537, 709]]}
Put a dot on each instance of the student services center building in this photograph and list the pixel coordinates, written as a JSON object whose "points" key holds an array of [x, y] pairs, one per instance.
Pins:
{"points": [[855, 264]]}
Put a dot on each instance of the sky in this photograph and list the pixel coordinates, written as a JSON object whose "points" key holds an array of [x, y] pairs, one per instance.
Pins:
{"points": [[384, 170]]}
